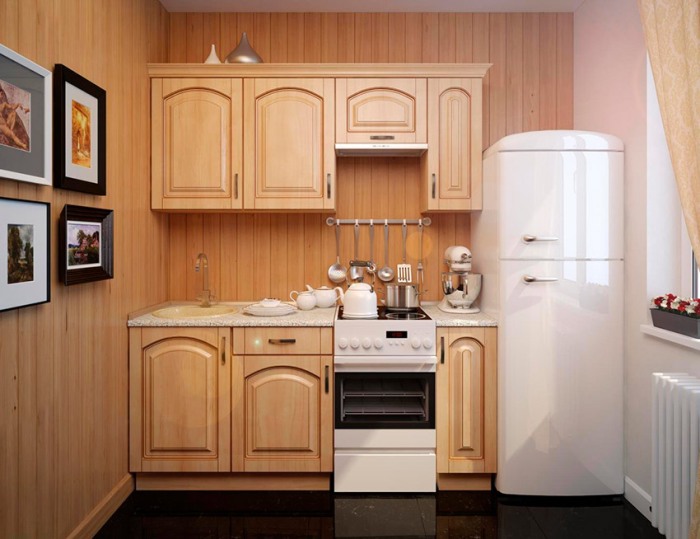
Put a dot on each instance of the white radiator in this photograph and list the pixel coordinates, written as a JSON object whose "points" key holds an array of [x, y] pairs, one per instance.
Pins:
{"points": [[674, 452]]}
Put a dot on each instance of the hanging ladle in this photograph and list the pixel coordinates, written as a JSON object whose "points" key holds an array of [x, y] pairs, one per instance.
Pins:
{"points": [[337, 272], [386, 273]]}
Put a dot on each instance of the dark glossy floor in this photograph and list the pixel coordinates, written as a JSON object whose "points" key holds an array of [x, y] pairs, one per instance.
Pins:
{"points": [[205, 515]]}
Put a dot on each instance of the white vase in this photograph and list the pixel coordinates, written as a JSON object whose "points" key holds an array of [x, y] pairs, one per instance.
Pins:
{"points": [[212, 58]]}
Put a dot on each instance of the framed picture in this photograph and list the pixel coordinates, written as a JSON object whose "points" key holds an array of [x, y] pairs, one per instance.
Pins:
{"points": [[80, 116], [24, 253], [25, 119], [85, 244]]}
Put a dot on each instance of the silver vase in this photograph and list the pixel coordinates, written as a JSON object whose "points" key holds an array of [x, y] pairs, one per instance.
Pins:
{"points": [[243, 53]]}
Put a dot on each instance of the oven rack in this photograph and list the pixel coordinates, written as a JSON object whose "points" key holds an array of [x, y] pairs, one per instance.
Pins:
{"points": [[382, 407], [383, 389]]}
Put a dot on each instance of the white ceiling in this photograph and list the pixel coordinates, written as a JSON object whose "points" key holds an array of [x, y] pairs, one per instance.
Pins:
{"points": [[367, 6]]}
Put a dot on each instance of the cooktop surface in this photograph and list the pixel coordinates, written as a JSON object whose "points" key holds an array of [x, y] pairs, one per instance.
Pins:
{"points": [[386, 314]]}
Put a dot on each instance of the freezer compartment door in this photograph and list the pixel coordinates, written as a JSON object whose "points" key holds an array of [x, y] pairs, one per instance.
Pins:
{"points": [[557, 205], [560, 381]]}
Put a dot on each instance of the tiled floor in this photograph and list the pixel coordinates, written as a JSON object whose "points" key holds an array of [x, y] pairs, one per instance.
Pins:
{"points": [[219, 515]]}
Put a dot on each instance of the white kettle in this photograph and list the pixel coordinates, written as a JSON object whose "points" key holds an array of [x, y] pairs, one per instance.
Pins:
{"points": [[325, 297], [360, 301]]}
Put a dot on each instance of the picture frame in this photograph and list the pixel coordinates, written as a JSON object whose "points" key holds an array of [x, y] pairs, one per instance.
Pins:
{"points": [[80, 121], [85, 244], [25, 252], [25, 119]]}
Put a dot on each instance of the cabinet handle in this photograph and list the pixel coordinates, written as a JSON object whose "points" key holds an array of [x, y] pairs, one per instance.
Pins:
{"points": [[281, 341], [442, 350], [328, 185], [381, 137], [527, 279], [529, 238], [434, 184], [223, 350], [327, 380], [235, 186]]}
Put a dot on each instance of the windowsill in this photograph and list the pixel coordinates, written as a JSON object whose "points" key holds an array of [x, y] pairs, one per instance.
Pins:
{"points": [[671, 336]]}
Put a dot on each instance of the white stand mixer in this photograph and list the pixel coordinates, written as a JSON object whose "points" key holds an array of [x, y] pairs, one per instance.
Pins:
{"points": [[461, 288]]}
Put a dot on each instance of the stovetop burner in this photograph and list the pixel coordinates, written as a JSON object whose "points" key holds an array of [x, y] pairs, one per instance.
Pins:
{"points": [[384, 314]]}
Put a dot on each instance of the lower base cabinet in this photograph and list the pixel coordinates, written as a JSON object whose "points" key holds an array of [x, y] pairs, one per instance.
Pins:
{"points": [[467, 383]]}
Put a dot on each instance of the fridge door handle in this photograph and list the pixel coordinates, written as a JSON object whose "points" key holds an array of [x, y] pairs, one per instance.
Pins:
{"points": [[527, 279], [529, 238]]}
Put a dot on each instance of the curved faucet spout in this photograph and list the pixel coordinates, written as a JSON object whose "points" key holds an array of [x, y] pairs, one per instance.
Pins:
{"points": [[203, 262]]}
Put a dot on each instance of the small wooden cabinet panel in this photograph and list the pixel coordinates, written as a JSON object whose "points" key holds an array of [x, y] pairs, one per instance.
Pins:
{"points": [[466, 412], [290, 157], [451, 167], [180, 402], [381, 110], [196, 144]]}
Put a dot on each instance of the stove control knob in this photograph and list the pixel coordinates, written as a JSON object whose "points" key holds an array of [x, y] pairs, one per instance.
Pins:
{"points": [[342, 343], [366, 343], [354, 343], [378, 343], [427, 343], [415, 342]]}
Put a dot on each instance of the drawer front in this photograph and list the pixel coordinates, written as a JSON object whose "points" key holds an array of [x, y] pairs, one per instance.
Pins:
{"points": [[276, 341]]}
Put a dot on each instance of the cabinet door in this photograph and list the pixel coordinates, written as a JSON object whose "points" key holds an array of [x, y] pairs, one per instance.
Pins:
{"points": [[288, 413], [381, 110], [197, 144], [466, 405], [180, 400], [289, 147], [452, 164]]}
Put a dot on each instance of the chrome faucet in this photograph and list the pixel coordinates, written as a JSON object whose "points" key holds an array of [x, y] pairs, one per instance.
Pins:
{"points": [[206, 296]]}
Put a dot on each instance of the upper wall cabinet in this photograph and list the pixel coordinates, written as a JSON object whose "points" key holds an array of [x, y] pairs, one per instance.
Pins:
{"points": [[451, 168], [290, 156], [196, 144], [381, 110]]}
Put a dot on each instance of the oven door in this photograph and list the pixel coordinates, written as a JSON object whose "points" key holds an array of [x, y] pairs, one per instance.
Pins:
{"points": [[384, 400]]}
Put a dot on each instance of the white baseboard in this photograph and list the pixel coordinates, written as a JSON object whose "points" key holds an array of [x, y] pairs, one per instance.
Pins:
{"points": [[638, 498]]}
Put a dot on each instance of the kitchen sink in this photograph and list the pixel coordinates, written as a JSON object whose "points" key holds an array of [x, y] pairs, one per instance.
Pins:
{"points": [[194, 311]]}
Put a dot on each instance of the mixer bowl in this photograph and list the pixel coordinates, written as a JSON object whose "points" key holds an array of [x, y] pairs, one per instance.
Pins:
{"points": [[461, 289]]}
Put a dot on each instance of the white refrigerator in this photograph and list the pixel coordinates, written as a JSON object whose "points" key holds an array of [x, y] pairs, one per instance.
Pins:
{"points": [[549, 244]]}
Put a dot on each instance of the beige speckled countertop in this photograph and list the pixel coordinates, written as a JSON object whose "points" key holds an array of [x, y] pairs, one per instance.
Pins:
{"points": [[443, 319], [313, 318]]}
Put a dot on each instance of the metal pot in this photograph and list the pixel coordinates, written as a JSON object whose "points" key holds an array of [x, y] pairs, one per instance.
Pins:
{"points": [[402, 297]]}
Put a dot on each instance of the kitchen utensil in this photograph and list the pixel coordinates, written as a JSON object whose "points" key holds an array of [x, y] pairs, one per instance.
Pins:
{"points": [[325, 297], [371, 241], [356, 271], [386, 274], [403, 271], [419, 269], [402, 297], [337, 272], [304, 300], [360, 301]]}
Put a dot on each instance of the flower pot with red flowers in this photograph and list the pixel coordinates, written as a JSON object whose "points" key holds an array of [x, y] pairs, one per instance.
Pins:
{"points": [[681, 315]]}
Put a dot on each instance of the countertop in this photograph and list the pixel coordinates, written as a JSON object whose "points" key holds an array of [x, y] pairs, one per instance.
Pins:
{"points": [[313, 318]]}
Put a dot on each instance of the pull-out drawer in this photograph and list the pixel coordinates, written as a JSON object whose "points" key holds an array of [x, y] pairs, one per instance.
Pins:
{"points": [[292, 340]]}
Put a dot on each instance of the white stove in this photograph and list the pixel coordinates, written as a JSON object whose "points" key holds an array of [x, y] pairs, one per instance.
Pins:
{"points": [[385, 403]]}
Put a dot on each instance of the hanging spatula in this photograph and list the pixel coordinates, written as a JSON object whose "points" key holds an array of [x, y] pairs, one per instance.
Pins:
{"points": [[403, 271]]}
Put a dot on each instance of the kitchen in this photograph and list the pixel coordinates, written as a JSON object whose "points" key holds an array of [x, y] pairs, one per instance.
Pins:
{"points": [[64, 411]]}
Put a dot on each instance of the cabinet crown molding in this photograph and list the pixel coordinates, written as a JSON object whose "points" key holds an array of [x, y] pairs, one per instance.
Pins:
{"points": [[318, 70]]}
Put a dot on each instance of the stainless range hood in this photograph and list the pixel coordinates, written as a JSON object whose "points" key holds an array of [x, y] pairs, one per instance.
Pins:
{"points": [[372, 149]]}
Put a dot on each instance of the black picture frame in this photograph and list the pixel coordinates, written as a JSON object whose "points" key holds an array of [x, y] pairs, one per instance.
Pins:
{"points": [[92, 265], [86, 169], [25, 276]]}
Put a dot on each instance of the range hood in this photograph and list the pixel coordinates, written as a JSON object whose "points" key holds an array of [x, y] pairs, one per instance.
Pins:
{"points": [[372, 149]]}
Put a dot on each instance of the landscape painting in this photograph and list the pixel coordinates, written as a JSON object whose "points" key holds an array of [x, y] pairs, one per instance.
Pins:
{"points": [[15, 117], [20, 253], [81, 147], [83, 244]]}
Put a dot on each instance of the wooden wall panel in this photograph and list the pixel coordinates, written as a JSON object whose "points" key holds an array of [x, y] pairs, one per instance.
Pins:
{"points": [[528, 88], [63, 365]]}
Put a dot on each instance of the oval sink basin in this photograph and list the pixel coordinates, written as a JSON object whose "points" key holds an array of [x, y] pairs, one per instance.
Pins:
{"points": [[194, 311]]}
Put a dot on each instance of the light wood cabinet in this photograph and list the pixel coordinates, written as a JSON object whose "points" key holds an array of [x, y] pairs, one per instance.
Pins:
{"points": [[180, 400], [451, 168], [283, 403], [467, 409], [381, 110], [289, 149], [196, 144]]}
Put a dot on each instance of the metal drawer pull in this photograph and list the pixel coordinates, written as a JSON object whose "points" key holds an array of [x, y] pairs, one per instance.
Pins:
{"points": [[527, 279], [223, 350], [529, 238], [328, 185], [327, 380], [281, 341], [442, 350], [235, 186], [434, 185], [381, 137]]}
